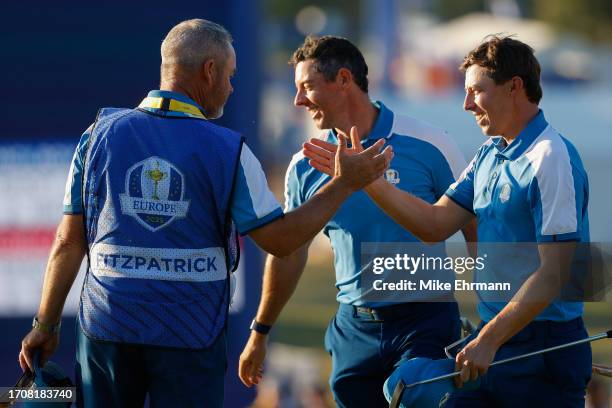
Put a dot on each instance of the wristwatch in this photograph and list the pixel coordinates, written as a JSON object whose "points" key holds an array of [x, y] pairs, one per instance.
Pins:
{"points": [[260, 328], [46, 328]]}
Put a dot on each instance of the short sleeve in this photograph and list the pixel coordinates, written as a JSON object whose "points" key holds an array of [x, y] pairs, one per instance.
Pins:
{"points": [[293, 198], [462, 190], [253, 204], [73, 198], [557, 193], [452, 163]]}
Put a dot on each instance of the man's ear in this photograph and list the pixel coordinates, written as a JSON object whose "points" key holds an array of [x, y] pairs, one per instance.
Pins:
{"points": [[344, 76], [208, 71], [516, 84]]}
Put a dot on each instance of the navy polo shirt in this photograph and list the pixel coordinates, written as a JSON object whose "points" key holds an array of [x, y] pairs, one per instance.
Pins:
{"points": [[533, 190]]}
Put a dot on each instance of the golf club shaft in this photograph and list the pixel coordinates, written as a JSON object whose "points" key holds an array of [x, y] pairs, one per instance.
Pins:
{"points": [[546, 350], [561, 346]]}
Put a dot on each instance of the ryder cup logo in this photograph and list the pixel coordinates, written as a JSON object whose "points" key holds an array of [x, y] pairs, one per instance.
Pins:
{"points": [[154, 190], [392, 176], [504, 195]]}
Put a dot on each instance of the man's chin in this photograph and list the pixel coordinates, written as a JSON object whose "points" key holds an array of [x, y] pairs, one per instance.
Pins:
{"points": [[321, 124], [214, 115], [487, 131]]}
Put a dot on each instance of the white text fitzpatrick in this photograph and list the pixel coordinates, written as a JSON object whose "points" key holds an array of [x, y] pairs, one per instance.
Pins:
{"points": [[412, 264], [180, 264]]}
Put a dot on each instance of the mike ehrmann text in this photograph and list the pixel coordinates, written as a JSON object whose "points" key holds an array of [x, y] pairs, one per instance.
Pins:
{"points": [[437, 285]]}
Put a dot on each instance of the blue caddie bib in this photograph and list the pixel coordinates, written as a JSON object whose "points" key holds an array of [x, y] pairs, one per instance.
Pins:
{"points": [[157, 191]]}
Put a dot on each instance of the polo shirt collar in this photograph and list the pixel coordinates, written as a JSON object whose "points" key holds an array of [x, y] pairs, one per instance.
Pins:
{"points": [[524, 139], [382, 125], [185, 106]]}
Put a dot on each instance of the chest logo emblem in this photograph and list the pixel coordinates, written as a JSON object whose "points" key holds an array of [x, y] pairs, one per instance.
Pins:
{"points": [[504, 195], [392, 176], [154, 190]]}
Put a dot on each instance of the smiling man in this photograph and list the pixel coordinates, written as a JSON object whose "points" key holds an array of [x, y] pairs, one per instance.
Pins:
{"points": [[366, 339], [526, 184], [155, 197]]}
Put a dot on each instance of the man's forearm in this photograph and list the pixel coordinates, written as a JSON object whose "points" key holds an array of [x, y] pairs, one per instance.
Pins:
{"points": [[535, 295], [470, 233], [353, 172], [64, 262], [426, 221], [281, 276], [284, 236]]}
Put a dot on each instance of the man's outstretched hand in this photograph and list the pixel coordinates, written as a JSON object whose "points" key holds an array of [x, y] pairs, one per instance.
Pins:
{"points": [[357, 166]]}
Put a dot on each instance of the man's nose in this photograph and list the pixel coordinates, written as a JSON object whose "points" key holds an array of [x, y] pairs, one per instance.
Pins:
{"points": [[300, 98], [468, 102]]}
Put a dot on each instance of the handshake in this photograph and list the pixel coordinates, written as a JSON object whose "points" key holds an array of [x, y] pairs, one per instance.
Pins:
{"points": [[353, 166]]}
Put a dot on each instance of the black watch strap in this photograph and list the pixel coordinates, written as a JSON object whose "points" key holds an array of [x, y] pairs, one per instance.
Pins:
{"points": [[260, 328]]}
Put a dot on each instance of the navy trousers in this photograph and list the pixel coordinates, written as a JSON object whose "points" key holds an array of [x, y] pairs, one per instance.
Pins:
{"points": [[367, 346], [555, 379], [120, 375]]}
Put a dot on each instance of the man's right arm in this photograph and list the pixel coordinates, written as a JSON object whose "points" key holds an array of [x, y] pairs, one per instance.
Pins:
{"points": [[280, 279], [429, 222], [285, 234]]}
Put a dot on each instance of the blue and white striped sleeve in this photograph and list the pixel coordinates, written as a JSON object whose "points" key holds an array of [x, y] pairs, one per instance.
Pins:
{"points": [[462, 190], [253, 204], [450, 166], [73, 198], [557, 192], [293, 197]]}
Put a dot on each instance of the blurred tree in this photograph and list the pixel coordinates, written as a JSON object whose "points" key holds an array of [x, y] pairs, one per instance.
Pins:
{"points": [[450, 9], [592, 18]]}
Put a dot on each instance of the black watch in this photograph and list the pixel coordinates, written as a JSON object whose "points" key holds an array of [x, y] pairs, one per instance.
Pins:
{"points": [[260, 328]]}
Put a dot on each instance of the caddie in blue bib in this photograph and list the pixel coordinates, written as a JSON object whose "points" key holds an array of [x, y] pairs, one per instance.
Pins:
{"points": [[158, 225]]}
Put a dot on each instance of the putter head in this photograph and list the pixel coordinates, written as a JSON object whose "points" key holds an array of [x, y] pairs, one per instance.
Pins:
{"points": [[433, 394]]}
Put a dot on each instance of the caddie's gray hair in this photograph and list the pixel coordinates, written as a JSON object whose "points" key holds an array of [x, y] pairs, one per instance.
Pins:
{"points": [[191, 42]]}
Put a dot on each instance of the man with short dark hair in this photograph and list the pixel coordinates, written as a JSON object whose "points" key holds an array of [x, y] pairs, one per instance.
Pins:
{"points": [[154, 198], [367, 339], [526, 184]]}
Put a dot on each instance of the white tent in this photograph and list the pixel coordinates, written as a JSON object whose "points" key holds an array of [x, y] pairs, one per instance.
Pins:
{"points": [[453, 40]]}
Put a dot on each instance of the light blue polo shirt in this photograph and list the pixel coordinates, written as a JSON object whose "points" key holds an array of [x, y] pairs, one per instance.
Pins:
{"points": [[252, 205], [533, 190], [426, 162]]}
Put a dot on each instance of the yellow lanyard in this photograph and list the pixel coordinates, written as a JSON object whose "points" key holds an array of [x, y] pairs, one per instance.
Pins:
{"points": [[174, 106]]}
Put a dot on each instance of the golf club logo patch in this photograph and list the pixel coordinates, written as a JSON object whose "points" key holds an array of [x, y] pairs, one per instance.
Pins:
{"points": [[392, 176], [504, 195], [154, 190]]}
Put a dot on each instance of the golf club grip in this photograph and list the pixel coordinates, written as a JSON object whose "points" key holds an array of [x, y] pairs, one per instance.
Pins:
{"points": [[398, 392]]}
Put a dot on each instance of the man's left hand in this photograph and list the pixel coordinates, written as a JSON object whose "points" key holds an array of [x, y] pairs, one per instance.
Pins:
{"points": [[36, 340], [474, 360], [250, 369]]}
